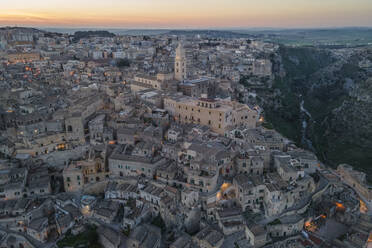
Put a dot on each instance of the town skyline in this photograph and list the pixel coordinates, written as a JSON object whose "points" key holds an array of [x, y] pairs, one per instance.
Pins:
{"points": [[186, 124]]}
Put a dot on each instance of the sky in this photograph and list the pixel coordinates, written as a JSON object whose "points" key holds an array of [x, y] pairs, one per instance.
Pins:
{"points": [[186, 13]]}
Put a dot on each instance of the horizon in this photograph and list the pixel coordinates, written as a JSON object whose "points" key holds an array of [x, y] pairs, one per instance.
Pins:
{"points": [[97, 28], [176, 14]]}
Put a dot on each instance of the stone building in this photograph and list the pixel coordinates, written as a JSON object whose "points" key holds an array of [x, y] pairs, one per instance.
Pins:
{"points": [[250, 191], [256, 235], [145, 236], [209, 238], [286, 226], [250, 165], [218, 115], [127, 160], [79, 173], [356, 180]]}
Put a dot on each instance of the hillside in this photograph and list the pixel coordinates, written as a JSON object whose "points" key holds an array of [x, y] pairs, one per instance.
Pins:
{"points": [[335, 87], [87, 34]]}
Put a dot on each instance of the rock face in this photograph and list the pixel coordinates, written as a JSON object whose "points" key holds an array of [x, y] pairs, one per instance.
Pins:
{"points": [[336, 87]]}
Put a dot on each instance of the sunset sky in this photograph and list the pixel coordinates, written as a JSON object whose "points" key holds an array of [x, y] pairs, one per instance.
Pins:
{"points": [[186, 13]]}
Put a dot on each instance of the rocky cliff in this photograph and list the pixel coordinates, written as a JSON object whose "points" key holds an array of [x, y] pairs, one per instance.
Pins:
{"points": [[335, 89]]}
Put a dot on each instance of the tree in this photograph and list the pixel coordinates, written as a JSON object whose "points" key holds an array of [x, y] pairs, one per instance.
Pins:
{"points": [[123, 63], [159, 222]]}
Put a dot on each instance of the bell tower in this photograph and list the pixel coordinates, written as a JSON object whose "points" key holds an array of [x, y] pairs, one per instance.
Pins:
{"points": [[180, 70]]}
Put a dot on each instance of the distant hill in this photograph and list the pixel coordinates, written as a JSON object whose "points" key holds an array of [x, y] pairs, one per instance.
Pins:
{"points": [[322, 37], [210, 33], [21, 29], [30, 30], [87, 34]]}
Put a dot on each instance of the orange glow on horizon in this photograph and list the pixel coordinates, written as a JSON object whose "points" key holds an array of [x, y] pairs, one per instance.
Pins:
{"points": [[186, 14]]}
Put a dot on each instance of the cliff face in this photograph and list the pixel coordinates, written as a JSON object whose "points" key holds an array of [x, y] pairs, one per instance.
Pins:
{"points": [[336, 89]]}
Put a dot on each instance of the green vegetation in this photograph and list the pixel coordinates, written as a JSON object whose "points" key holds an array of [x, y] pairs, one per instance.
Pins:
{"points": [[268, 125], [88, 238], [275, 222], [301, 62], [340, 125], [127, 231], [87, 34], [285, 117], [159, 222], [342, 237], [123, 63]]}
